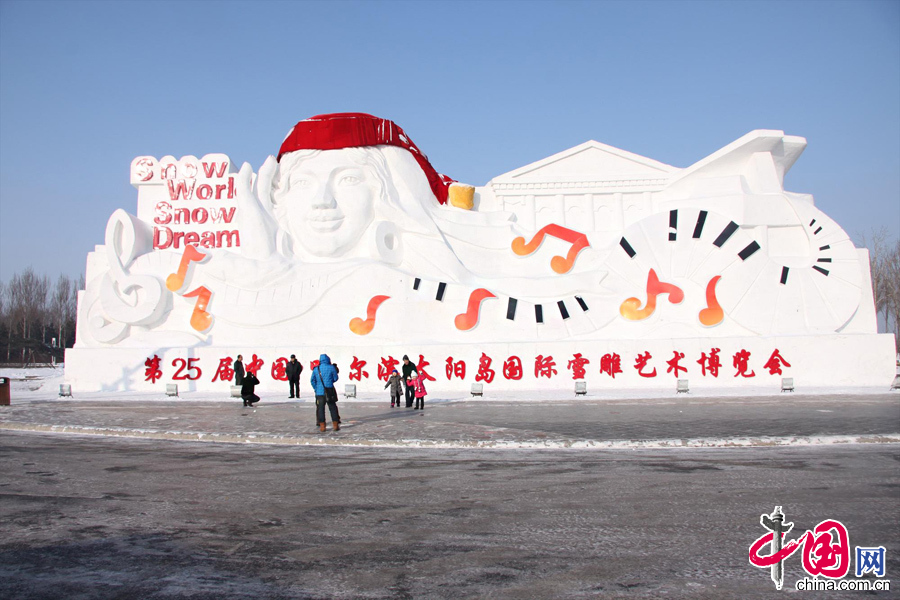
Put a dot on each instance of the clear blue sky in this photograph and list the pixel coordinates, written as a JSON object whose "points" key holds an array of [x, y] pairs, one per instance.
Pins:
{"points": [[482, 88]]}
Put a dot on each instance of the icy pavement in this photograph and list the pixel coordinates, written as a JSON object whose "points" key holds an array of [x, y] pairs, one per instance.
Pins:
{"points": [[500, 497], [101, 517]]}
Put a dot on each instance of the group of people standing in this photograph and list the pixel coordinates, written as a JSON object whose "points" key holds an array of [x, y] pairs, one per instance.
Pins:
{"points": [[415, 387], [248, 381], [323, 377]]}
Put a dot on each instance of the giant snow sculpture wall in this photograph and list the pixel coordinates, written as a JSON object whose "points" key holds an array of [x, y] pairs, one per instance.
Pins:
{"points": [[593, 264]]}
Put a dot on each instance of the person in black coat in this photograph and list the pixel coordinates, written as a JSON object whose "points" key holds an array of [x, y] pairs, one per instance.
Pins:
{"points": [[293, 370], [408, 369], [249, 382], [239, 370]]}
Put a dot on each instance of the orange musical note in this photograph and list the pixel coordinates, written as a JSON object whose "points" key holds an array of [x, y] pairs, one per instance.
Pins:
{"points": [[559, 264], [713, 313], [176, 280], [630, 308], [469, 319], [200, 319], [360, 327]]}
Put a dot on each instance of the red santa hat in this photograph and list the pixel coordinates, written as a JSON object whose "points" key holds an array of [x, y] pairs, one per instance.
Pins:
{"points": [[353, 130]]}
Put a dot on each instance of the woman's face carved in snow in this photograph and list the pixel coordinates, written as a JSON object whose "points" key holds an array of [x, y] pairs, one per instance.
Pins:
{"points": [[326, 199]]}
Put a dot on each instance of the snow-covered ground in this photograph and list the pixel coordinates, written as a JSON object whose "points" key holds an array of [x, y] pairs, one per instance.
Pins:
{"points": [[42, 383]]}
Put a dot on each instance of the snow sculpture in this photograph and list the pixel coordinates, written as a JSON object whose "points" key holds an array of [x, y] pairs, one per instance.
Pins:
{"points": [[592, 264]]}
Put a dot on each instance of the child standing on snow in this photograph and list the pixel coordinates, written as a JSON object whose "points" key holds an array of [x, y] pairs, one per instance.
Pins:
{"points": [[418, 386], [396, 387]]}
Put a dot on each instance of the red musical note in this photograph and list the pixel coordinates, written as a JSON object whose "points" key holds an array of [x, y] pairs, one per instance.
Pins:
{"points": [[200, 319], [360, 327], [176, 280], [469, 319], [630, 308], [713, 313], [559, 264]]}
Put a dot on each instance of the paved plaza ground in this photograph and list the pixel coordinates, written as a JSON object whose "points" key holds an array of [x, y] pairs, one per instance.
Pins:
{"points": [[571, 499]]}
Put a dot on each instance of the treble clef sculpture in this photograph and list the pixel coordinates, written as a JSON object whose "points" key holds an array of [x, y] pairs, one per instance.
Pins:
{"points": [[126, 299]]}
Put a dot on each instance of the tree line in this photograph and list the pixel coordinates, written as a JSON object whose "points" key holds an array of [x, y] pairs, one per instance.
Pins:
{"points": [[37, 316], [884, 264]]}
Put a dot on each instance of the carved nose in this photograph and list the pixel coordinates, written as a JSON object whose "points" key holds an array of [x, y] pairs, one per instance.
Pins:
{"points": [[324, 198]]}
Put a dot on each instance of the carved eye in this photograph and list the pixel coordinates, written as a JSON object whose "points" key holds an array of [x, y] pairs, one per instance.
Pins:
{"points": [[349, 180], [301, 182]]}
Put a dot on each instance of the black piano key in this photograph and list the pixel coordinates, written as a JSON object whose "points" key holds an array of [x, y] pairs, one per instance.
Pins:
{"points": [[698, 228], [748, 251], [511, 309], [726, 233]]}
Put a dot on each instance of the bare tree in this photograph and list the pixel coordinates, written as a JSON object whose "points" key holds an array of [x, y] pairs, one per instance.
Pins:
{"points": [[28, 300], [18, 302], [4, 314], [78, 286], [60, 307], [877, 243], [6, 321], [892, 290], [43, 306], [33, 310]]}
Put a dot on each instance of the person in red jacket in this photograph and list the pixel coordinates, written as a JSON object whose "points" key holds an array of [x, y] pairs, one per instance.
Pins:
{"points": [[418, 387]]}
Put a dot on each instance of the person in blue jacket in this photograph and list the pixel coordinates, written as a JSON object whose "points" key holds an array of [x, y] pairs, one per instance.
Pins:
{"points": [[322, 380]]}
